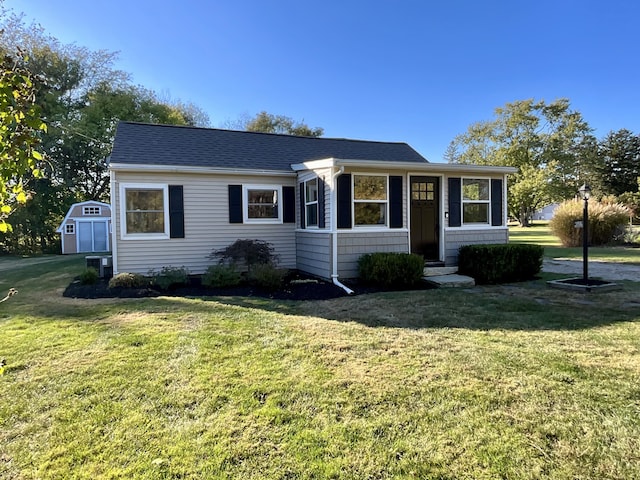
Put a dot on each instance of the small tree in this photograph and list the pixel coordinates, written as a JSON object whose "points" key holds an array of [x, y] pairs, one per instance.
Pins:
{"points": [[269, 123], [247, 253], [20, 125]]}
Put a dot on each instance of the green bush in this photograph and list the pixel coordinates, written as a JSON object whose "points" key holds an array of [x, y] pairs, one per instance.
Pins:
{"points": [[89, 276], [391, 270], [607, 222], [246, 253], [169, 277], [500, 263], [267, 276], [128, 280], [221, 276]]}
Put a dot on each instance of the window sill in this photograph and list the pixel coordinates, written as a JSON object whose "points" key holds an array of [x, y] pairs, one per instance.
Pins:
{"points": [[145, 236], [477, 227], [257, 221]]}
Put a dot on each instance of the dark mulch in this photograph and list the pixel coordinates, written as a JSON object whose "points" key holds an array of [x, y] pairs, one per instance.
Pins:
{"points": [[296, 287]]}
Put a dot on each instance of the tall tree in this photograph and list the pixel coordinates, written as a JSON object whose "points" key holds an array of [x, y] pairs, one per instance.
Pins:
{"points": [[86, 142], [268, 123], [81, 96], [545, 141], [620, 169]]}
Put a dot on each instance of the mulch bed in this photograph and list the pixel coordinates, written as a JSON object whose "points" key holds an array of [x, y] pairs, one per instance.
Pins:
{"points": [[296, 287]]}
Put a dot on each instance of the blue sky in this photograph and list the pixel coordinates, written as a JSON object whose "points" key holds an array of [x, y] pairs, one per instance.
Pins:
{"points": [[403, 70]]}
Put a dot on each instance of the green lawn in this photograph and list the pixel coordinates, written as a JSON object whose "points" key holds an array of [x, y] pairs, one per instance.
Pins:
{"points": [[540, 234], [516, 381]]}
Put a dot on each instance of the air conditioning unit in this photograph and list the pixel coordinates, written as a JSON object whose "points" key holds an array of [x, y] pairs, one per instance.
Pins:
{"points": [[102, 264]]}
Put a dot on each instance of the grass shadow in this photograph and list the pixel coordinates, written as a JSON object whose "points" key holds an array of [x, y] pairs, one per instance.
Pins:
{"points": [[520, 306], [525, 306]]}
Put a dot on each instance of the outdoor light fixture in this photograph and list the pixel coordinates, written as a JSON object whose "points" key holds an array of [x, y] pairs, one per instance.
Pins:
{"points": [[585, 193]]}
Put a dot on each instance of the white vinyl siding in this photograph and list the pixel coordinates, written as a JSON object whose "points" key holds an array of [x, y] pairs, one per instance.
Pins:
{"points": [[456, 238], [314, 253], [206, 224], [352, 245]]}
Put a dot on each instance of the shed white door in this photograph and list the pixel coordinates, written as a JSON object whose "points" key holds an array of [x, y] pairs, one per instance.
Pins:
{"points": [[93, 236]]}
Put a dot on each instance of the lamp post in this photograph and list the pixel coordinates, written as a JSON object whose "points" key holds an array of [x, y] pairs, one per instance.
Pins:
{"points": [[585, 193]]}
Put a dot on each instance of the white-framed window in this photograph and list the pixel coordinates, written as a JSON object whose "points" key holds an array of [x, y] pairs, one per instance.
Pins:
{"points": [[144, 210], [370, 200], [476, 201], [311, 202], [70, 228], [262, 203], [91, 210]]}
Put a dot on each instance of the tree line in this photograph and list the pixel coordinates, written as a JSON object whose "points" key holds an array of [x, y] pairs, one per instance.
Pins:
{"points": [[555, 152], [75, 98]]}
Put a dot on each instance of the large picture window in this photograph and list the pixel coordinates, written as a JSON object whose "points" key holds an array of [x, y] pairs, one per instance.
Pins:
{"points": [[262, 204], [475, 200], [311, 202], [145, 210], [370, 200]]}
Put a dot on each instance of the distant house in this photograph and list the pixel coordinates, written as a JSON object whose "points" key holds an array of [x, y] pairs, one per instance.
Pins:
{"points": [[180, 192], [545, 213], [86, 228]]}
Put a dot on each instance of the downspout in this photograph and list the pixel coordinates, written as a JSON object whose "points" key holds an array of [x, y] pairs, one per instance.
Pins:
{"points": [[334, 234], [114, 243]]}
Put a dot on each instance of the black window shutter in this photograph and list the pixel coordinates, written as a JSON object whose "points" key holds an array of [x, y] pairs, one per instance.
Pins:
{"points": [[289, 204], [303, 209], [176, 211], [321, 187], [395, 202], [455, 203], [496, 202], [343, 191], [235, 203]]}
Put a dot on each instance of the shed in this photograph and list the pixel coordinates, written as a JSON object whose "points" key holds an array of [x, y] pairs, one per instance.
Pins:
{"points": [[86, 228]]}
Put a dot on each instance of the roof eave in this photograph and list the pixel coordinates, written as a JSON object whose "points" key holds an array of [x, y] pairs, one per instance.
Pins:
{"points": [[412, 166], [128, 167]]}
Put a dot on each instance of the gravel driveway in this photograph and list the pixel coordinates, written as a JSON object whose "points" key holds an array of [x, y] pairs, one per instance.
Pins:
{"points": [[604, 270]]}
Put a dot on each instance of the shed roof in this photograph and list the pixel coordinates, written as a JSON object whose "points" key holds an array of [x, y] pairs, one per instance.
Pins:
{"points": [[149, 144]]}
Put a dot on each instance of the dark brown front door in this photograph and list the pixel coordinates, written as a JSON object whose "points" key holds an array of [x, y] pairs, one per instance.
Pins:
{"points": [[424, 194]]}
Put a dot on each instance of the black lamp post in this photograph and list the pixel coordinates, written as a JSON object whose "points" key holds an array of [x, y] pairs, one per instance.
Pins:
{"points": [[585, 193]]}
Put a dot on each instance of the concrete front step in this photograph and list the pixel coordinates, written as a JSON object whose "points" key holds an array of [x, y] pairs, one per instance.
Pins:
{"points": [[437, 271], [450, 281]]}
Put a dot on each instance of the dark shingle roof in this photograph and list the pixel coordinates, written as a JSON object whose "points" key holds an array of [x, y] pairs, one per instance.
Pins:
{"points": [[146, 144]]}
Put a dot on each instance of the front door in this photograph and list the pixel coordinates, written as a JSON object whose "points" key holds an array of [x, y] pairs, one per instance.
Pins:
{"points": [[425, 192]]}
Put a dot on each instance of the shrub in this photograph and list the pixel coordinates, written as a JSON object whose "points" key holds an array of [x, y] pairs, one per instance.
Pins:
{"points": [[631, 200], [221, 276], [128, 280], [169, 277], [397, 270], [631, 236], [246, 253], [500, 263], [89, 276], [607, 222], [267, 276]]}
